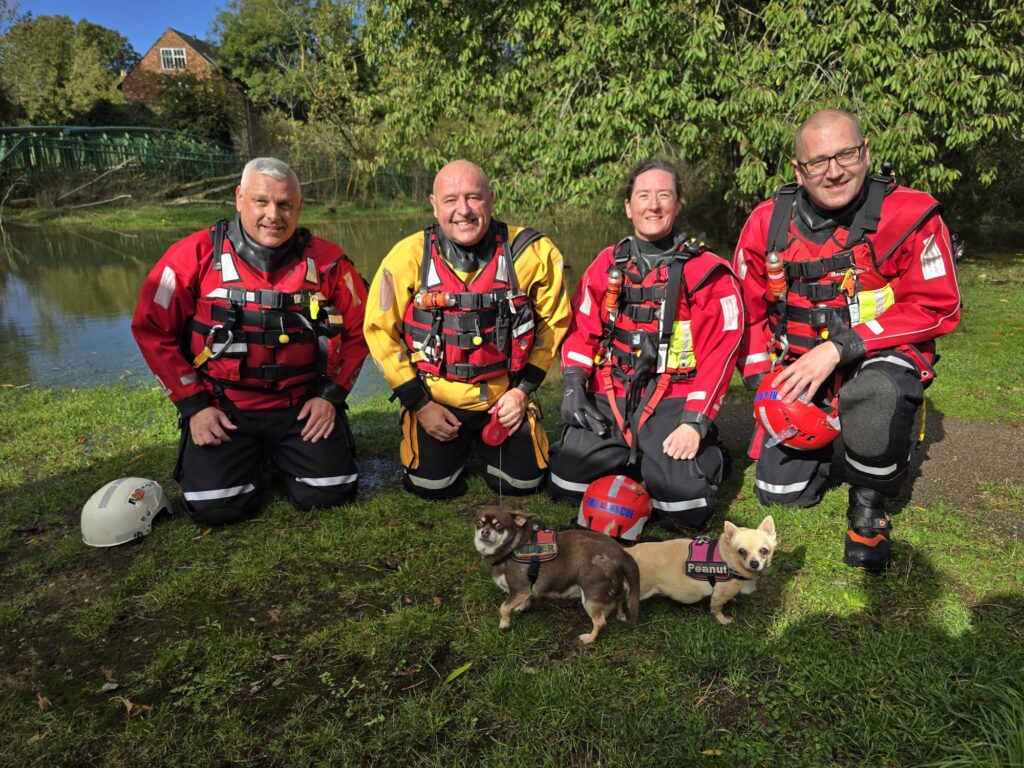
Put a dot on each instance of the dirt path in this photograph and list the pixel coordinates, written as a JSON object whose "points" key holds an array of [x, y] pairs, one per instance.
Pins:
{"points": [[952, 466]]}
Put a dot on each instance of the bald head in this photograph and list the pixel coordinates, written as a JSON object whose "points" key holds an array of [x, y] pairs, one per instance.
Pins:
{"points": [[463, 202], [825, 120]]}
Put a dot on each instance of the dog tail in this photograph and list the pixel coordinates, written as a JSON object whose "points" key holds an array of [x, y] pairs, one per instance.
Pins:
{"points": [[632, 588]]}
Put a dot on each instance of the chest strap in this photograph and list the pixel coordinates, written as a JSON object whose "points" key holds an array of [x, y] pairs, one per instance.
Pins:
{"points": [[704, 562], [541, 548]]}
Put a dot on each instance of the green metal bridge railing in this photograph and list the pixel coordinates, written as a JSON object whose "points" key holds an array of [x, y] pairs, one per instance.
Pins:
{"points": [[71, 151]]}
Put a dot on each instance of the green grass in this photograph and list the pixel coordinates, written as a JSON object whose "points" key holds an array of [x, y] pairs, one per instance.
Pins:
{"points": [[327, 638], [138, 216]]}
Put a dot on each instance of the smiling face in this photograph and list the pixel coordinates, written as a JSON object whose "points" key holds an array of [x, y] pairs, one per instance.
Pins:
{"points": [[837, 187], [463, 202], [653, 204], [268, 208]]}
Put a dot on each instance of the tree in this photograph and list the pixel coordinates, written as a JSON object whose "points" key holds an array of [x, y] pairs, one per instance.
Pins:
{"points": [[200, 107], [557, 97], [54, 70], [301, 56]]}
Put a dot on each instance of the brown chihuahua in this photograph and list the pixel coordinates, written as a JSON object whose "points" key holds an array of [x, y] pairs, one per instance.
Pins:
{"points": [[527, 561]]}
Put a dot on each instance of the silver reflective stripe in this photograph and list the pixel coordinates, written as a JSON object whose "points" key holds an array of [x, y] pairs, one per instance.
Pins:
{"points": [[780, 490], [432, 277], [616, 485], [562, 483], [423, 482], [165, 291], [760, 357], [514, 482], [583, 360], [220, 493], [519, 330], [189, 378], [231, 349], [678, 506], [878, 471], [311, 271], [228, 270], [110, 492], [890, 359], [322, 482]]}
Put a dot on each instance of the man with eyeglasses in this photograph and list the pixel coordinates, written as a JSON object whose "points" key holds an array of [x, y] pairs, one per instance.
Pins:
{"points": [[867, 284]]}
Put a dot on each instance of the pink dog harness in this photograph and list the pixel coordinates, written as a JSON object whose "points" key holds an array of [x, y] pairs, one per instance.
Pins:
{"points": [[704, 562]]}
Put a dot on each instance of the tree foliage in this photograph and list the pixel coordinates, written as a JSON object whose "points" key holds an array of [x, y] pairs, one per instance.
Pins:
{"points": [[54, 70], [202, 107], [556, 97]]}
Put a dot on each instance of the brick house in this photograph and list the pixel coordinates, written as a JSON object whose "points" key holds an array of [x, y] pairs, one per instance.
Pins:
{"points": [[175, 53]]}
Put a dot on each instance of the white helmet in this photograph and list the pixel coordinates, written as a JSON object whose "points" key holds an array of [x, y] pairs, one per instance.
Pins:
{"points": [[122, 510]]}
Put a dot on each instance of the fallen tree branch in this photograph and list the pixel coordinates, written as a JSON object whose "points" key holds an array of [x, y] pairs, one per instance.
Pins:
{"points": [[90, 183], [98, 202]]}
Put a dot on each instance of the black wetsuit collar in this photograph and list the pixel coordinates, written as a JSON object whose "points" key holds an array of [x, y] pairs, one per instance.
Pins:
{"points": [[259, 256], [818, 223], [469, 258], [651, 254]]}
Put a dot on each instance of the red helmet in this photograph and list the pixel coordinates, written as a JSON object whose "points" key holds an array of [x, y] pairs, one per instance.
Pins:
{"points": [[800, 425], [616, 506]]}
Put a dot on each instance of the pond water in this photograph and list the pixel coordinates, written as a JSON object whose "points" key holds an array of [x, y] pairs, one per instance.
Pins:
{"points": [[67, 295]]}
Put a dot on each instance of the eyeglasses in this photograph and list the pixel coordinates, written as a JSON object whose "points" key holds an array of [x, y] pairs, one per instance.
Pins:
{"points": [[844, 158]]}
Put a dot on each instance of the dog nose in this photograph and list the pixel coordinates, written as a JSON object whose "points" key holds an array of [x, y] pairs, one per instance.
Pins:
{"points": [[755, 565]]}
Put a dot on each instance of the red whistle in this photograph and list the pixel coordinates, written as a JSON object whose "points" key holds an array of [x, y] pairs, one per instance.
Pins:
{"points": [[494, 433]]}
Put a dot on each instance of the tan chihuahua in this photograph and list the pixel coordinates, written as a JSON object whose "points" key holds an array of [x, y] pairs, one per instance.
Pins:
{"points": [[688, 570], [527, 561]]}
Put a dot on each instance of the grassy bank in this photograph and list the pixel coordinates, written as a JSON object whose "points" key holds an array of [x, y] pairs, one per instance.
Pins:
{"points": [[127, 217], [367, 634]]}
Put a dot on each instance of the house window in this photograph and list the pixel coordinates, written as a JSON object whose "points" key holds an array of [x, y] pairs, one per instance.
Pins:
{"points": [[172, 58]]}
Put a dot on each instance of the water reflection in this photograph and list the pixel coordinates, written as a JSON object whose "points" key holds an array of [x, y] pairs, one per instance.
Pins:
{"points": [[67, 296]]}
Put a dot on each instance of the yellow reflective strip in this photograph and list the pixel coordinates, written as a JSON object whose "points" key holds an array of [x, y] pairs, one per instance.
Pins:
{"points": [[680, 345], [538, 434], [409, 450], [871, 304]]}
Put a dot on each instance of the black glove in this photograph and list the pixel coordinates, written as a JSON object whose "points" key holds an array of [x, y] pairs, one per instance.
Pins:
{"points": [[577, 410], [753, 382]]}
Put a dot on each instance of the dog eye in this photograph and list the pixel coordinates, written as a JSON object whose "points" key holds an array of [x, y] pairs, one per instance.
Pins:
{"points": [[743, 552], [764, 551]]}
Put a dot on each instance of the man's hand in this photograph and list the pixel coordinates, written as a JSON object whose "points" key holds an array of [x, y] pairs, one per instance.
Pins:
{"points": [[438, 421], [210, 426], [321, 414], [511, 408], [682, 443], [807, 373]]}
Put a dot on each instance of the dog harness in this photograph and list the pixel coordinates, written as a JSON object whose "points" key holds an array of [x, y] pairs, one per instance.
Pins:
{"points": [[541, 548], [704, 562]]}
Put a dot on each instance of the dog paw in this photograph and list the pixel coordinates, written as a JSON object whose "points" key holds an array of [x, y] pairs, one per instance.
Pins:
{"points": [[587, 638], [723, 619], [504, 624]]}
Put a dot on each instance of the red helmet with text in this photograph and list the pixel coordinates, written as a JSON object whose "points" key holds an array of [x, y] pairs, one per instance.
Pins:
{"points": [[615, 505], [800, 425]]}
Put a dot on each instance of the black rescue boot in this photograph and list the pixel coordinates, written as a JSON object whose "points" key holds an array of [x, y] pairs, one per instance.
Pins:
{"points": [[867, 540]]}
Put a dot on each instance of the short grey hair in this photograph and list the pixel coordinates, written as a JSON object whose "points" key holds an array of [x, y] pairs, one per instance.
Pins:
{"points": [[272, 167]]}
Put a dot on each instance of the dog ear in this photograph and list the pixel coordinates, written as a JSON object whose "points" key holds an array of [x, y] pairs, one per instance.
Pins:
{"points": [[767, 525], [522, 518], [728, 532]]}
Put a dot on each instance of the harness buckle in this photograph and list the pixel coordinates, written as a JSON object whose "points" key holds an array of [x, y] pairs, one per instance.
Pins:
{"points": [[209, 342]]}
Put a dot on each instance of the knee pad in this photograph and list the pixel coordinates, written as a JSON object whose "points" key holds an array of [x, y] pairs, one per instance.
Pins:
{"points": [[877, 408]]}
